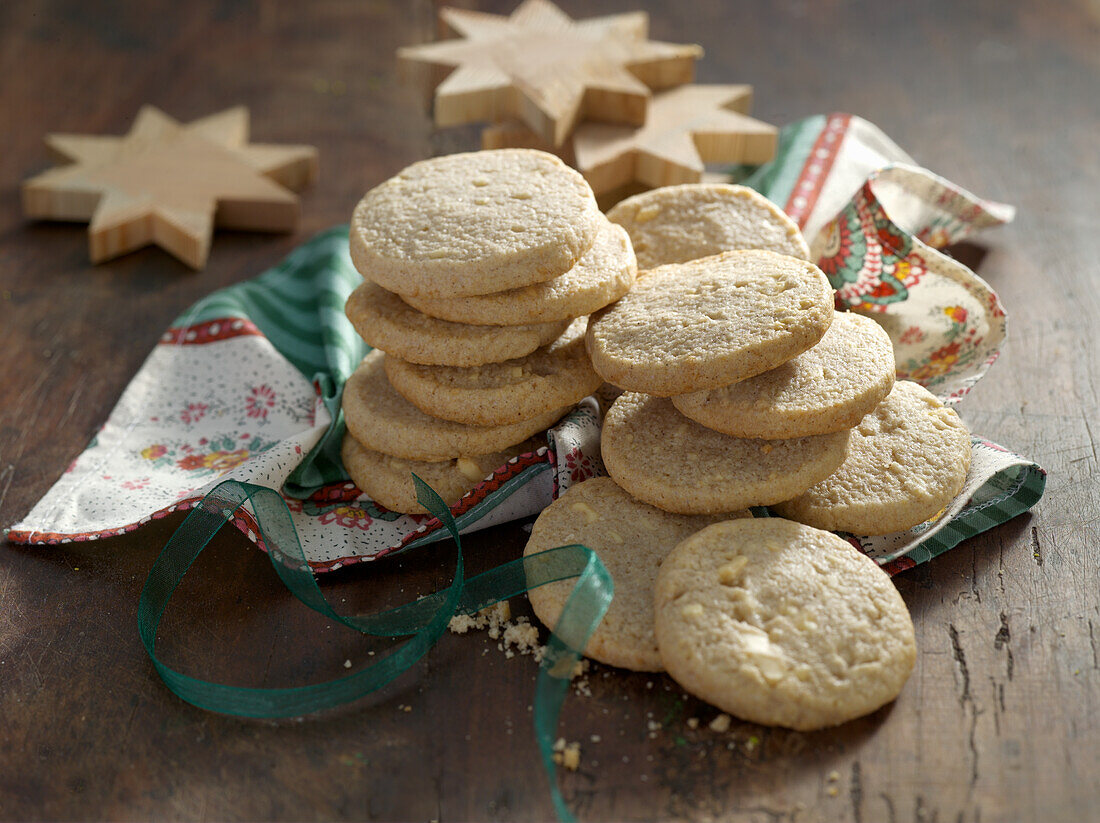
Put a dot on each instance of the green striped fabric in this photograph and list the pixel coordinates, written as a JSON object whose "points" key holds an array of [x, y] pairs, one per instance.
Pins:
{"points": [[1003, 496], [299, 306], [776, 178]]}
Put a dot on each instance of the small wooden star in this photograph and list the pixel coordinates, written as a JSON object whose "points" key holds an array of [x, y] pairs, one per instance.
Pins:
{"points": [[540, 66], [168, 184], [687, 127]]}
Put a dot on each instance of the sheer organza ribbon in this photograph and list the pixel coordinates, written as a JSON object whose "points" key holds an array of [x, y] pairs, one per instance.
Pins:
{"points": [[423, 621]]}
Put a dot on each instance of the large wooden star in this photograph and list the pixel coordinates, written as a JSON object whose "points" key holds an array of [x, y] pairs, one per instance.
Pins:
{"points": [[169, 184], [540, 66]]}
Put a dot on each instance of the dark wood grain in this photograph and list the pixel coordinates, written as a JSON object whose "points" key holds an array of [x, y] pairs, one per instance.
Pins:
{"points": [[999, 721]]}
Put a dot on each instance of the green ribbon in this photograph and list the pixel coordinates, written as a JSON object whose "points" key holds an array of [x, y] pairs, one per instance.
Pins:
{"points": [[424, 621]]}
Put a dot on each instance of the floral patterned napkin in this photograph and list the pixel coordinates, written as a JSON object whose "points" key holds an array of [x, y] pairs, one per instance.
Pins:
{"points": [[246, 384]]}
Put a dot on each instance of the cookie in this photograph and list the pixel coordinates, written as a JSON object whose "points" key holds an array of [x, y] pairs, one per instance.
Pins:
{"points": [[675, 224], [388, 480], [782, 624], [382, 420], [707, 323], [632, 539], [474, 223], [603, 275], [386, 322], [674, 463], [499, 394], [827, 388], [906, 462]]}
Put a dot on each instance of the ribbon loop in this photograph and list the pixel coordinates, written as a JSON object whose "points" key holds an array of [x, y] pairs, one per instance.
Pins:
{"points": [[423, 621]]}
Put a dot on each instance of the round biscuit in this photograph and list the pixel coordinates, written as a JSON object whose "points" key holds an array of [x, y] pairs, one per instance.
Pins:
{"points": [[827, 388], [672, 462], [382, 420], [603, 275], [675, 224], [387, 480], [474, 223], [631, 538], [906, 461], [707, 323], [498, 394], [386, 322], [782, 624]]}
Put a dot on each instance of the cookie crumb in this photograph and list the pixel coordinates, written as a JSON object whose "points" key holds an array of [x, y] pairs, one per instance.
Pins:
{"points": [[833, 776], [462, 623], [491, 618], [721, 723], [567, 755], [693, 722], [347, 664], [522, 635], [579, 676]]}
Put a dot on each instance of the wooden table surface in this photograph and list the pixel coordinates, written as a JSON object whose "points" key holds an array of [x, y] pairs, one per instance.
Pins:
{"points": [[999, 720]]}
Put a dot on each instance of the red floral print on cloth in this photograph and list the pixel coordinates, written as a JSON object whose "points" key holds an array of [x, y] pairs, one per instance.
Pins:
{"points": [[220, 461], [260, 400], [956, 313], [913, 334], [208, 456], [840, 249], [580, 466], [193, 413], [135, 483], [349, 515], [940, 362]]}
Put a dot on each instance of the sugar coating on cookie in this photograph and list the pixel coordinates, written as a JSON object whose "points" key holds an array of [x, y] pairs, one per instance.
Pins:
{"points": [[675, 224], [906, 462], [707, 323], [827, 388], [386, 322], [782, 624], [632, 539], [474, 223], [382, 420], [496, 394], [387, 480], [603, 275], [678, 465]]}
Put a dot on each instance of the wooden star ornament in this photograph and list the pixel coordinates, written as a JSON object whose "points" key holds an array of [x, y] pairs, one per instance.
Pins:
{"points": [[687, 127], [169, 184], [541, 67]]}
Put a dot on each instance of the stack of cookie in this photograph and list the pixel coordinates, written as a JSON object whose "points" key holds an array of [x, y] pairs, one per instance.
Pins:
{"points": [[480, 270], [745, 388]]}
